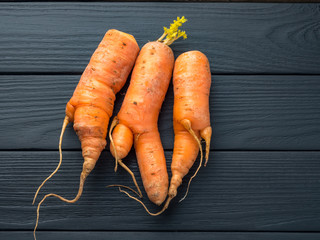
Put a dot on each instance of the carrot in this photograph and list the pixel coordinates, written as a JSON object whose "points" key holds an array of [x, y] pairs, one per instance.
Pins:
{"points": [[191, 118], [137, 120], [91, 105]]}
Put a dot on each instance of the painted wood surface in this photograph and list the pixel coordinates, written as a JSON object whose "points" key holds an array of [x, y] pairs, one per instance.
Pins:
{"points": [[262, 181], [238, 38], [237, 191], [248, 112]]}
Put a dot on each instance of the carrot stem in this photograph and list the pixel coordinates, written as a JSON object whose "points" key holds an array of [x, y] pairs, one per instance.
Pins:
{"points": [[162, 37], [173, 33]]}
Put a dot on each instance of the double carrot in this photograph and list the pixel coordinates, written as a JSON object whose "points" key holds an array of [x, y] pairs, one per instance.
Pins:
{"points": [[191, 122]]}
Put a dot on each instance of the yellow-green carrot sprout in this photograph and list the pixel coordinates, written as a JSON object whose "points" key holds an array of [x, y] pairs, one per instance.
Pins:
{"points": [[173, 33]]}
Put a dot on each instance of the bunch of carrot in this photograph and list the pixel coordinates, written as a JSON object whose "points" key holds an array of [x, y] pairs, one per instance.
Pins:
{"points": [[91, 107]]}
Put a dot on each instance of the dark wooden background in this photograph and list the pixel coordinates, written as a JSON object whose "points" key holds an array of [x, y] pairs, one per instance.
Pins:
{"points": [[263, 177]]}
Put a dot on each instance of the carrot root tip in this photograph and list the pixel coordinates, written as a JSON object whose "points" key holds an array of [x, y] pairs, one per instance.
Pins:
{"points": [[187, 125], [123, 186], [166, 205], [206, 135], [83, 177], [64, 125], [132, 176]]}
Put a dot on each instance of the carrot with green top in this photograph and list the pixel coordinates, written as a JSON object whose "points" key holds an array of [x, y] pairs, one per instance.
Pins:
{"points": [[136, 123]]}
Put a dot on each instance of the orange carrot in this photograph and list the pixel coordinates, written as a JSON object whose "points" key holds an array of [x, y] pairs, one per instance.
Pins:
{"points": [[191, 116], [91, 105], [138, 117], [137, 120]]}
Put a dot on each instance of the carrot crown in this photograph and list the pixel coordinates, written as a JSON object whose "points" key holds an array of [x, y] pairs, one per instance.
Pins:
{"points": [[173, 33]]}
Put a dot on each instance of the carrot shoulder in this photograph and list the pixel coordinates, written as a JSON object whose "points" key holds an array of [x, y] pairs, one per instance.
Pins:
{"points": [[91, 105]]}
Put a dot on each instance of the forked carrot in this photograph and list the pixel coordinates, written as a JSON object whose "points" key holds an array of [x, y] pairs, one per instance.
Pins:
{"points": [[137, 120]]}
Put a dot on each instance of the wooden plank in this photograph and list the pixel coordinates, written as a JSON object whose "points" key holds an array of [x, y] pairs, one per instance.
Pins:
{"points": [[237, 191], [237, 37], [247, 112], [84, 235]]}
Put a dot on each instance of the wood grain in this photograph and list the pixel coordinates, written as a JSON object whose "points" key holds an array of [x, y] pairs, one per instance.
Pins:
{"points": [[237, 37], [237, 191], [247, 112], [85, 235]]}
